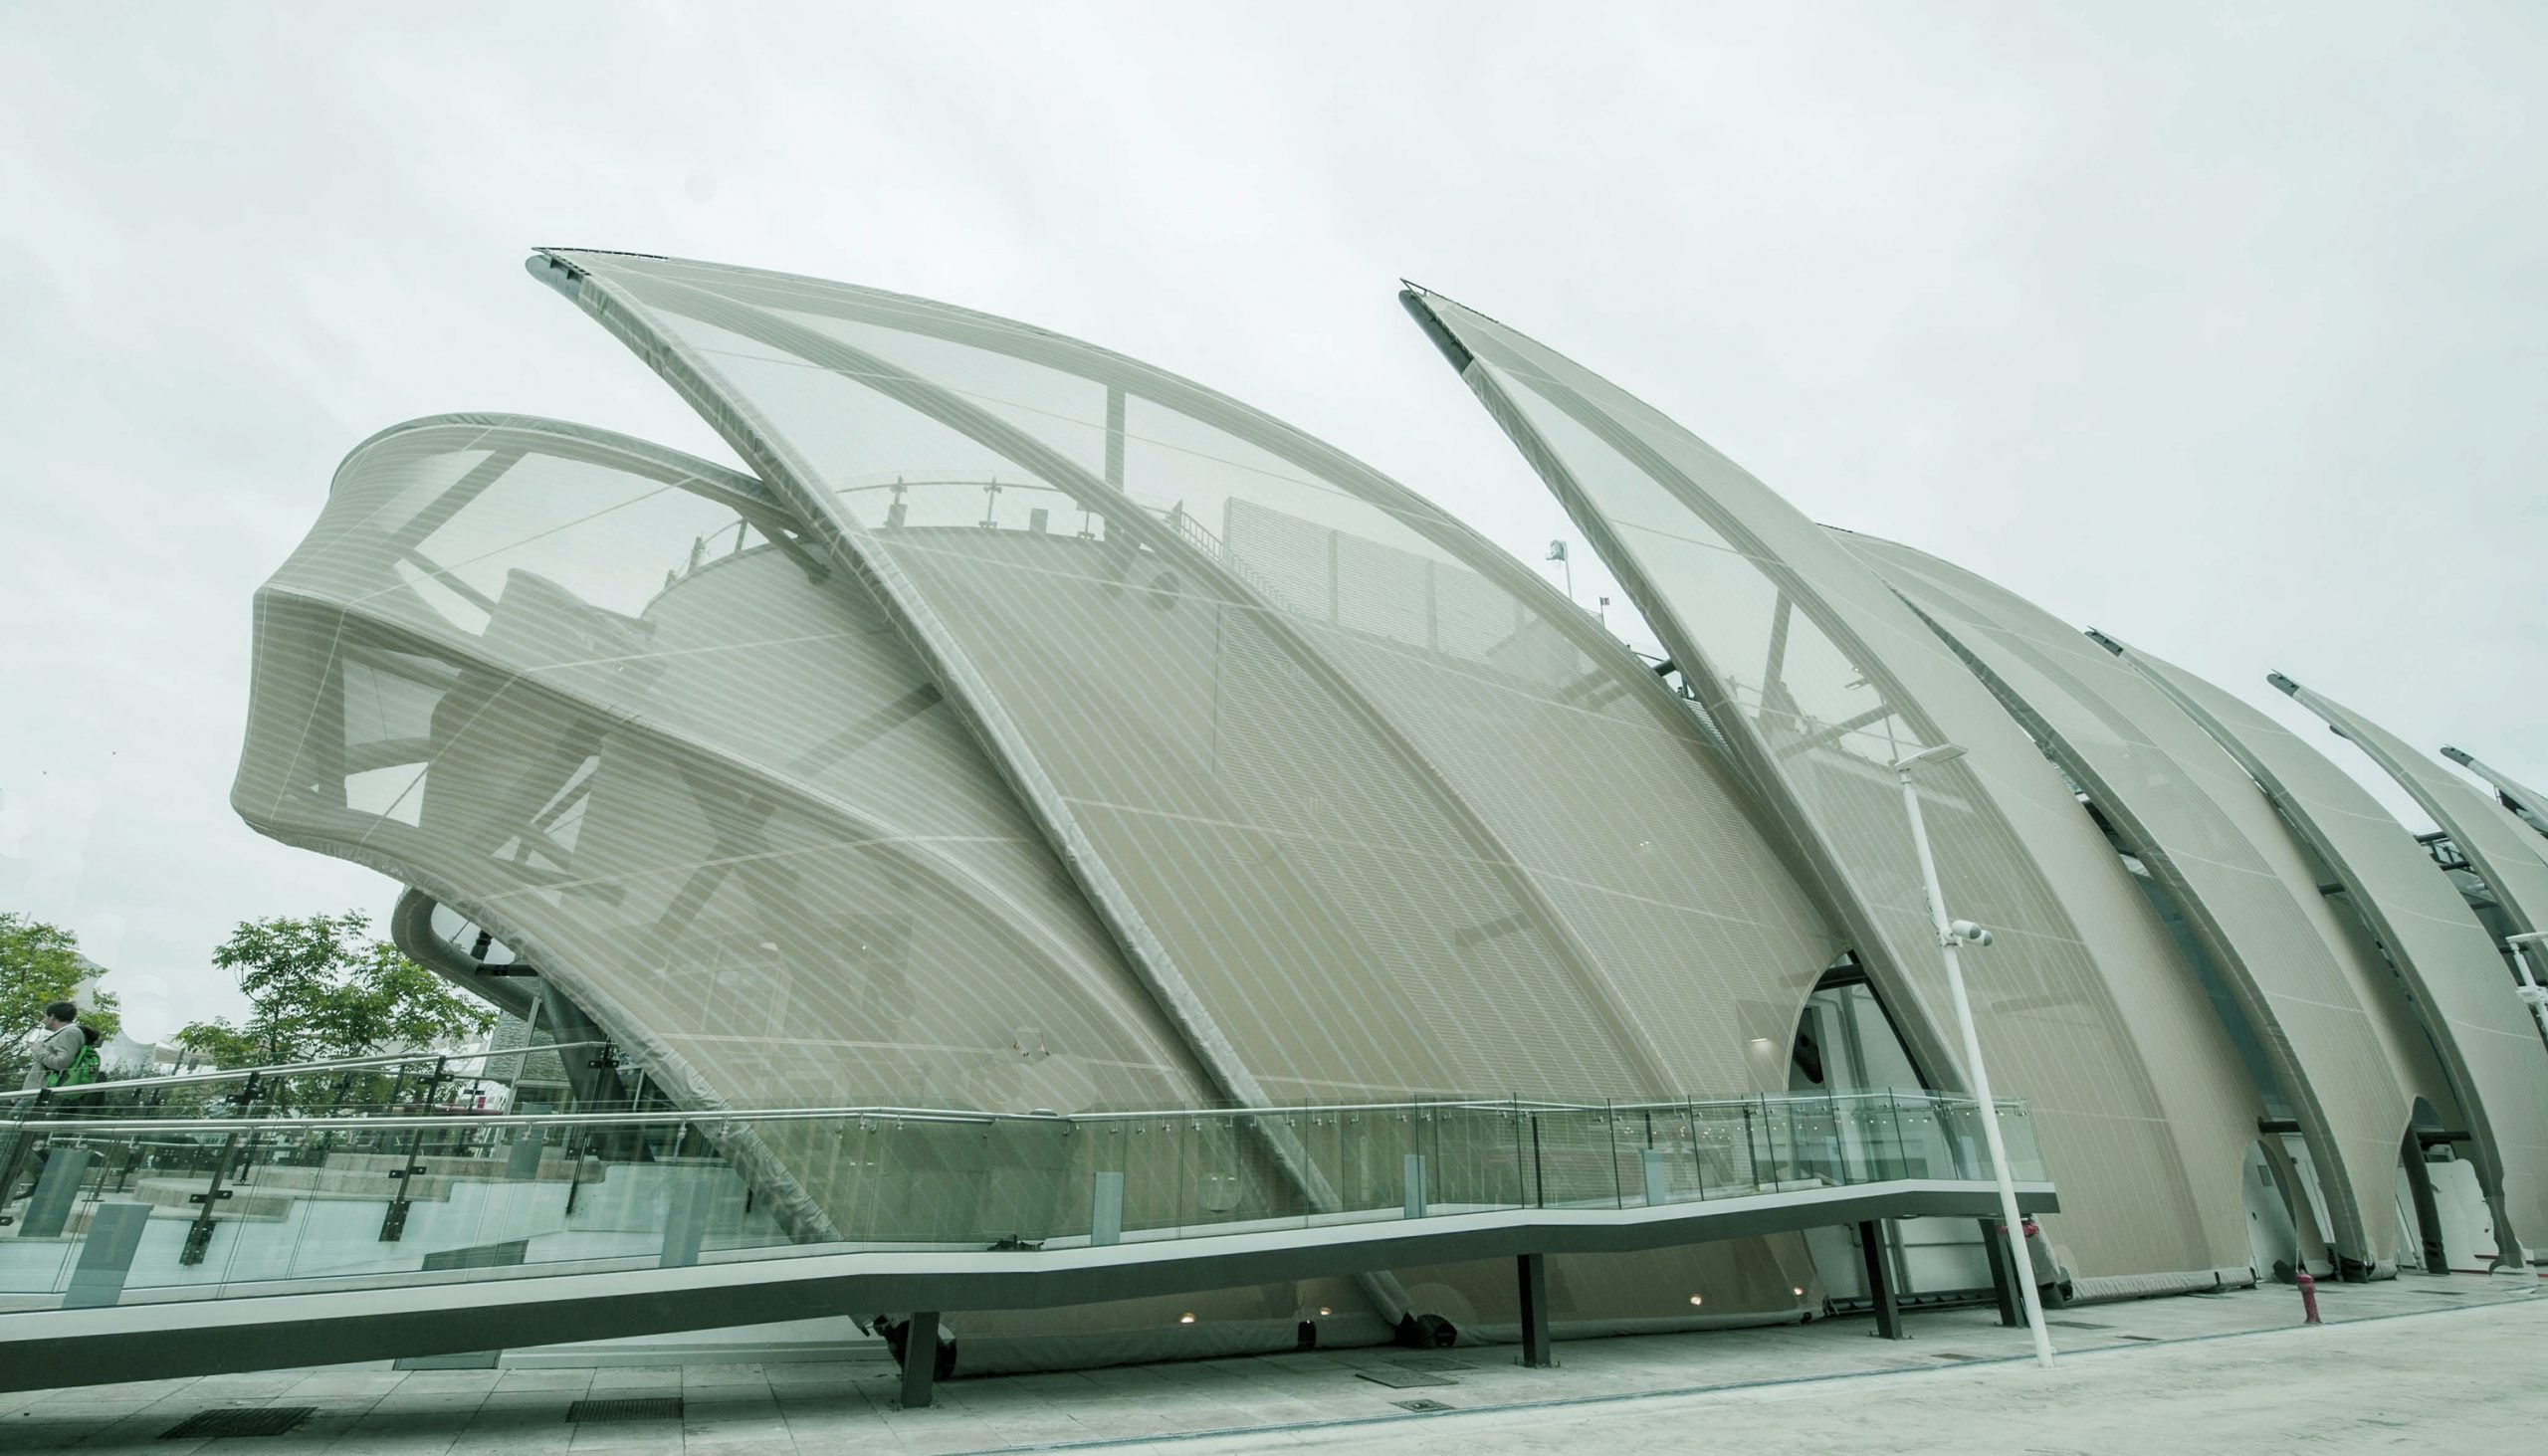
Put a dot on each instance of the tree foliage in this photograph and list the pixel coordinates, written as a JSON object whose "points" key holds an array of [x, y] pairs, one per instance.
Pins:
{"points": [[39, 964], [320, 989]]}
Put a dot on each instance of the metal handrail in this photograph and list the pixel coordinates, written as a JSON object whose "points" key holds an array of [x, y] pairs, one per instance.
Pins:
{"points": [[672, 1117], [290, 1069]]}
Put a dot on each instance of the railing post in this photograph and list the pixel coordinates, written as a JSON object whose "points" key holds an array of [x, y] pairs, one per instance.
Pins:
{"points": [[1839, 1137], [393, 1223], [1106, 1211], [1538, 1175], [18, 1144], [1610, 1135], [684, 1222], [1533, 1270], [199, 1233]]}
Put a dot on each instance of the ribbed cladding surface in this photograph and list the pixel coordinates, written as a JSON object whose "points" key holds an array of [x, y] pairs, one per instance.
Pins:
{"points": [[596, 695], [2483, 1036], [1376, 810], [1405, 819], [2342, 1040], [2510, 855], [2083, 1006]]}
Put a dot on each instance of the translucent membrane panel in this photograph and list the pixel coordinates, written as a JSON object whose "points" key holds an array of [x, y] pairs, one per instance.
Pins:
{"points": [[687, 772], [1826, 679], [1398, 816], [2341, 1039]]}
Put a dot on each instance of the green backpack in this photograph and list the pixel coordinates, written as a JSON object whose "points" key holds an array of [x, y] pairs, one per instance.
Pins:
{"points": [[84, 1068]]}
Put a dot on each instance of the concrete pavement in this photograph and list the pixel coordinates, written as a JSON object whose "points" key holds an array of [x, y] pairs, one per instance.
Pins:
{"points": [[2414, 1363]]}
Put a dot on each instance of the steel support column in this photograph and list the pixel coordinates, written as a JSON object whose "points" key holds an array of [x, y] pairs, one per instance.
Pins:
{"points": [[920, 1358], [1534, 1272], [1994, 1243], [1888, 1320]]}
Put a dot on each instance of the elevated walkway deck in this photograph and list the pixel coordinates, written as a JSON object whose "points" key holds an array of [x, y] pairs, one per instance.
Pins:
{"points": [[157, 1248]]}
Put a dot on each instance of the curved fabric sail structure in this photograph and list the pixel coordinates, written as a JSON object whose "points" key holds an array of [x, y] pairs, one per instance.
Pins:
{"points": [[1821, 679], [606, 700], [2426, 930], [1023, 727], [1290, 725], [1036, 729], [2342, 1046], [2501, 848]]}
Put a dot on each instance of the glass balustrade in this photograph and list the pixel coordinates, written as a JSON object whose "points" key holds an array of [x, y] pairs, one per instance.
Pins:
{"points": [[129, 1206]]}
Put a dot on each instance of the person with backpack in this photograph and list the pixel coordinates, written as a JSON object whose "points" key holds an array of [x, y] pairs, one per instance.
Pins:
{"points": [[65, 1057], [65, 1042]]}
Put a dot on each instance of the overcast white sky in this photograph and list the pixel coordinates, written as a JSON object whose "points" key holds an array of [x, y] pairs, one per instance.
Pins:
{"points": [[2218, 327]]}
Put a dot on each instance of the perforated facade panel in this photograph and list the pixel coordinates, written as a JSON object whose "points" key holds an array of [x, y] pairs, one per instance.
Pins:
{"points": [[2485, 1040], [2327, 1012], [1371, 803], [1820, 677], [603, 700]]}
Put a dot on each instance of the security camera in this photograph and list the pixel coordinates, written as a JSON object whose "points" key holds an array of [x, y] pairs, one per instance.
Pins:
{"points": [[1969, 933]]}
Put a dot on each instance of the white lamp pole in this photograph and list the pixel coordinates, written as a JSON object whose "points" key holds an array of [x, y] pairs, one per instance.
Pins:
{"points": [[2530, 990], [1951, 938]]}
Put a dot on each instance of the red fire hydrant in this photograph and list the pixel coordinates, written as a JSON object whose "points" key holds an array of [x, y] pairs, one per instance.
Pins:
{"points": [[2310, 1299]]}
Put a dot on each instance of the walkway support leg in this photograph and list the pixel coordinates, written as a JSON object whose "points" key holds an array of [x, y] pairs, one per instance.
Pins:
{"points": [[1994, 1243], [1534, 1272], [1888, 1320], [920, 1358]]}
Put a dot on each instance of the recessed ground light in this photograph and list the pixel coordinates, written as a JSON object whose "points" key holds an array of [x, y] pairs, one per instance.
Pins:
{"points": [[1189, 1318], [1324, 1310], [1800, 1291], [1698, 1299]]}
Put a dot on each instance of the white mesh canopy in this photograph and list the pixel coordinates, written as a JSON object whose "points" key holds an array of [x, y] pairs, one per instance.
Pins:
{"points": [[600, 697], [1375, 809], [2343, 1045], [2462, 996], [1822, 679]]}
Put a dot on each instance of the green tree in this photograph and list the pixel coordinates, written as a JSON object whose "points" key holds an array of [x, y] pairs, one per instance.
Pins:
{"points": [[39, 964], [321, 988]]}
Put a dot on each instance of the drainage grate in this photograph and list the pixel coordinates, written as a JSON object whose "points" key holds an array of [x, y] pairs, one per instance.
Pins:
{"points": [[630, 1407], [1951, 1354], [1403, 1380], [2078, 1325], [2145, 1338], [1420, 1405], [238, 1420]]}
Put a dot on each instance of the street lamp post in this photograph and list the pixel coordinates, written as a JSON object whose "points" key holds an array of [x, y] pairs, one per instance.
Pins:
{"points": [[1953, 935]]}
